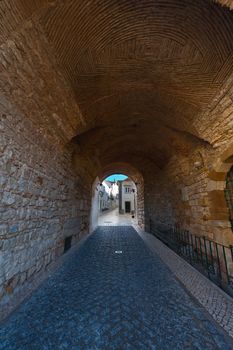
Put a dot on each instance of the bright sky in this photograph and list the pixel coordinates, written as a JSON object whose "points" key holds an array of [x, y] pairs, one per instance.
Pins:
{"points": [[116, 177]]}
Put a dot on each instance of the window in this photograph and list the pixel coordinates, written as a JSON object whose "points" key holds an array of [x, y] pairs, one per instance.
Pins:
{"points": [[228, 191], [127, 189]]}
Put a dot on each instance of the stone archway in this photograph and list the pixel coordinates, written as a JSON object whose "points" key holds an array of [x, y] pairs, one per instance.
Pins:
{"points": [[218, 216], [134, 175]]}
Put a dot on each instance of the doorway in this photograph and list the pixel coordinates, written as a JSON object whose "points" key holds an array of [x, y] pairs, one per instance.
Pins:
{"points": [[127, 207]]}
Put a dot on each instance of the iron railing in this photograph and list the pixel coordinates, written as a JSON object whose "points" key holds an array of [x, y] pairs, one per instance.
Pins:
{"points": [[211, 258]]}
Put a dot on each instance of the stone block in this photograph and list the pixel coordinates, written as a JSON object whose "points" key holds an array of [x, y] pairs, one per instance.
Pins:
{"points": [[8, 198], [3, 229], [215, 185], [71, 225]]}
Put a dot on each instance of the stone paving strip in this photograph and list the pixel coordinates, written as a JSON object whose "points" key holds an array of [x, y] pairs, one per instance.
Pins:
{"points": [[218, 304]]}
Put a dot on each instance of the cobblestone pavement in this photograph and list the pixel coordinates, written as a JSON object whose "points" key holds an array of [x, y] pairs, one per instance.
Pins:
{"points": [[101, 299], [113, 218], [216, 302]]}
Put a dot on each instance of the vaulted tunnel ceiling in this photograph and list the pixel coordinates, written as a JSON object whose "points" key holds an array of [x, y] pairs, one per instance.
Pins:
{"points": [[142, 71]]}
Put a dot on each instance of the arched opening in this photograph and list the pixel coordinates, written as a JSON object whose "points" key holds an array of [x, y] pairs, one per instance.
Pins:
{"points": [[117, 201], [117, 197]]}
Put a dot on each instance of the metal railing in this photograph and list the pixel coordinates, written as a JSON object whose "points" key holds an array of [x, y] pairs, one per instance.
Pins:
{"points": [[209, 257]]}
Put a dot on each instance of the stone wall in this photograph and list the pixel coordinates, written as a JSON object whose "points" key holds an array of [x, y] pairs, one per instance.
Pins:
{"points": [[187, 193], [189, 190], [140, 202], [42, 202], [43, 199]]}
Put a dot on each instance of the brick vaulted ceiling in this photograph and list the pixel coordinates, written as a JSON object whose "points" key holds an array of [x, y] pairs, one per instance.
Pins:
{"points": [[141, 70]]}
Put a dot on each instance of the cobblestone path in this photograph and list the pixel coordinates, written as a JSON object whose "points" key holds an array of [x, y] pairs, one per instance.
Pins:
{"points": [[105, 300]]}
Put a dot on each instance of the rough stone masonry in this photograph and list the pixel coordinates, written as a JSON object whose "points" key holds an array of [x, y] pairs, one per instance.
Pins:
{"points": [[41, 203]]}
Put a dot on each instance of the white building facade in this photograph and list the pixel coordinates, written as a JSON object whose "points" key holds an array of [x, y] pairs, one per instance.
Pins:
{"points": [[127, 197], [108, 195]]}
